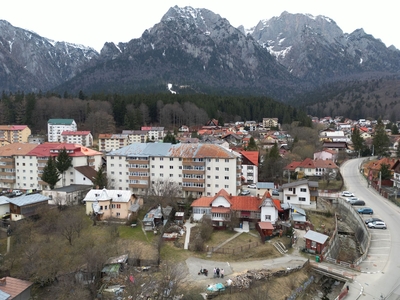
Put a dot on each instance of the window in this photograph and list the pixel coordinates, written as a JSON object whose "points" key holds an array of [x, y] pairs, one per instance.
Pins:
{"points": [[161, 175], [208, 168], [112, 172], [120, 165], [112, 165], [227, 169], [118, 214], [171, 167], [118, 205], [313, 244], [267, 218], [171, 159], [226, 177], [120, 173], [208, 176], [216, 177], [161, 167], [302, 199], [171, 175], [288, 198], [226, 160], [217, 159], [112, 157], [217, 185], [161, 158], [303, 190], [105, 207], [226, 186], [216, 168]]}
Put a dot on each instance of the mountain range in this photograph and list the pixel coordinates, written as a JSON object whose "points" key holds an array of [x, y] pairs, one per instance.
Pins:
{"points": [[197, 51]]}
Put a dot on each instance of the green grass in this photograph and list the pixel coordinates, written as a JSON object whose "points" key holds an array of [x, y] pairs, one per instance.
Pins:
{"points": [[136, 233]]}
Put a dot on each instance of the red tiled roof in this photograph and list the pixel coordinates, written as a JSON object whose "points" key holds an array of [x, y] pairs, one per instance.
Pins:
{"points": [[249, 203], [44, 150], [277, 204], [75, 133], [202, 202], [307, 163], [13, 127], [266, 225], [293, 165], [251, 156], [14, 286]]}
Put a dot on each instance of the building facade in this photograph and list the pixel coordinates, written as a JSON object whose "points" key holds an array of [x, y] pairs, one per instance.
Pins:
{"points": [[84, 138], [10, 134], [55, 127], [198, 169]]}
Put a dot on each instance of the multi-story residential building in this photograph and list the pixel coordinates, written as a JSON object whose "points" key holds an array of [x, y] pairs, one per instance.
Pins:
{"points": [[29, 166], [301, 192], [155, 133], [83, 138], [198, 169], [14, 134], [136, 136], [7, 162], [250, 166], [270, 122], [55, 127], [109, 142]]}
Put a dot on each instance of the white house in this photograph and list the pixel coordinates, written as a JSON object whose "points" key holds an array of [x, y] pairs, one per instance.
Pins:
{"points": [[301, 192], [326, 154], [55, 127], [269, 209]]}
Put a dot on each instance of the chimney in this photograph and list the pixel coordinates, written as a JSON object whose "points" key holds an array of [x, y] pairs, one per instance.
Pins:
{"points": [[3, 281]]}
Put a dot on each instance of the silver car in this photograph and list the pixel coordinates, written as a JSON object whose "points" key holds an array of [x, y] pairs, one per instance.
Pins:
{"points": [[377, 224]]}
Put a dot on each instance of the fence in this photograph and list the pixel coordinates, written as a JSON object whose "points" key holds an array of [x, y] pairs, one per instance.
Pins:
{"points": [[235, 250]]}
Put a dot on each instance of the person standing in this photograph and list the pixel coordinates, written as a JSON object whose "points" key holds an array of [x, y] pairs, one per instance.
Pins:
{"points": [[222, 273], [217, 272]]}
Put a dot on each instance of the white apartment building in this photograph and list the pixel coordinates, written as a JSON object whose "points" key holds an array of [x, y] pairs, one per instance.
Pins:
{"points": [[55, 127], [155, 134], [136, 136], [29, 167], [199, 169], [84, 138], [110, 142]]}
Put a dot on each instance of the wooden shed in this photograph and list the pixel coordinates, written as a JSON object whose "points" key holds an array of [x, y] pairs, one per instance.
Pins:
{"points": [[315, 241]]}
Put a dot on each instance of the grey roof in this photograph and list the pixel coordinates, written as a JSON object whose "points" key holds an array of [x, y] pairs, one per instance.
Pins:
{"points": [[300, 182], [73, 188], [298, 217], [28, 199], [265, 185], [4, 295], [134, 207], [298, 210], [95, 195], [316, 236], [4, 200]]}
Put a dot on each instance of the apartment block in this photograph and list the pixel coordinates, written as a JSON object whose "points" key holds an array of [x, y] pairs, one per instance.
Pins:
{"points": [[55, 127], [7, 162], [29, 166], [14, 134], [84, 138], [109, 142], [155, 133], [198, 169]]}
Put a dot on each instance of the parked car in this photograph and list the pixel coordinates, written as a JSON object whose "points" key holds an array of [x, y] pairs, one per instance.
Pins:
{"points": [[245, 193], [347, 194], [377, 224], [18, 192], [358, 202], [252, 186], [369, 220], [365, 211]]}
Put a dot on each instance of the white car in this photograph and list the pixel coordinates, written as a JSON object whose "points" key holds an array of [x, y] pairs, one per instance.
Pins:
{"points": [[377, 224], [347, 194], [252, 186]]}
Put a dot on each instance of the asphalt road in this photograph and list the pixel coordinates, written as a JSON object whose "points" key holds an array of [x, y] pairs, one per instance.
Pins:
{"points": [[380, 277]]}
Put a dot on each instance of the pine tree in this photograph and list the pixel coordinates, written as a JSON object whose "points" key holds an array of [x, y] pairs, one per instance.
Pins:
{"points": [[50, 173], [63, 163], [358, 141], [380, 140], [101, 180], [252, 146]]}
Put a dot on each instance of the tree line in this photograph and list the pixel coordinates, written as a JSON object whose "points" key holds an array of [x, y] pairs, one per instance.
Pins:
{"points": [[106, 113]]}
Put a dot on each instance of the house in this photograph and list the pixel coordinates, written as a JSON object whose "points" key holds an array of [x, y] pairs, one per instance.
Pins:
{"points": [[263, 187], [106, 204], [224, 208], [25, 206], [315, 241], [250, 166], [67, 195], [110, 142], [15, 289], [326, 154], [84, 138], [183, 128], [153, 219], [4, 206], [55, 127], [10, 134], [298, 217], [155, 134], [301, 192], [270, 209], [309, 167]]}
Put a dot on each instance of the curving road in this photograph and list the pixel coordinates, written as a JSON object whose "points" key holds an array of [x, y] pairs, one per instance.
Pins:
{"points": [[380, 277]]}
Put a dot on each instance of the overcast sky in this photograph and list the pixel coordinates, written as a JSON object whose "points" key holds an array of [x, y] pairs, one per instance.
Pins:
{"points": [[94, 22]]}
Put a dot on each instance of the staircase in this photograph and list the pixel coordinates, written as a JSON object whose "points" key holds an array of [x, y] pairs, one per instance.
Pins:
{"points": [[280, 247]]}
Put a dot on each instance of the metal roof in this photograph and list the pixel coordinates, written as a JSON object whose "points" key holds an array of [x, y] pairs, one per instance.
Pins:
{"points": [[28, 199], [316, 236], [265, 185], [73, 188], [4, 200]]}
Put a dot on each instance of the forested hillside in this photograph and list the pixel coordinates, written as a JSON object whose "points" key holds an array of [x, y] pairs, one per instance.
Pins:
{"points": [[106, 113]]}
